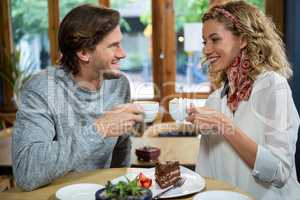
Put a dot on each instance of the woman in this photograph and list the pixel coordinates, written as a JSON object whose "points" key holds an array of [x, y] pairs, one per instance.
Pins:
{"points": [[251, 116]]}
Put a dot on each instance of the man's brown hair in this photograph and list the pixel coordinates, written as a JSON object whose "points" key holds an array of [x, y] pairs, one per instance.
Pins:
{"points": [[83, 28]]}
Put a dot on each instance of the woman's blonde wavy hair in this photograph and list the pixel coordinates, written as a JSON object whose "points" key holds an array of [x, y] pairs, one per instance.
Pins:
{"points": [[265, 47]]}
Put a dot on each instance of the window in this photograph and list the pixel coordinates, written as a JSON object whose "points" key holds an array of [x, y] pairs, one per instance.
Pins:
{"points": [[30, 34], [191, 74], [66, 5], [137, 35], [157, 69]]}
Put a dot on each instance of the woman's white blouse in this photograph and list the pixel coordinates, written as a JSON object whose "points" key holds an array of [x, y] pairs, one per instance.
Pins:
{"points": [[270, 118]]}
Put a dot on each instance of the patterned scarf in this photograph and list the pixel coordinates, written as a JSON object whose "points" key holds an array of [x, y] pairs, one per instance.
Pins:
{"points": [[240, 84]]}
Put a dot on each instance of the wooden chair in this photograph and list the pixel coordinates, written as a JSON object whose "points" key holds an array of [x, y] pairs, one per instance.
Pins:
{"points": [[5, 183], [5, 133], [7, 119], [6, 180]]}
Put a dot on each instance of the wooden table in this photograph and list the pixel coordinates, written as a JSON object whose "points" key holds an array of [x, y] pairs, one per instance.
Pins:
{"points": [[182, 149], [98, 177]]}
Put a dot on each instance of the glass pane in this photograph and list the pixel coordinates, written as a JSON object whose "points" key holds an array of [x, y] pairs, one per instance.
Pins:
{"points": [[191, 74], [66, 5], [258, 3], [137, 34], [30, 34]]}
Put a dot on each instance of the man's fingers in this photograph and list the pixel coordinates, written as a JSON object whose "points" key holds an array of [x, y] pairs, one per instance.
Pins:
{"points": [[129, 107], [137, 117], [126, 127]]}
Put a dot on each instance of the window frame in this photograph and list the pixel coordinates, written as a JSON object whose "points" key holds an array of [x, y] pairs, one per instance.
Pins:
{"points": [[163, 54], [6, 50]]}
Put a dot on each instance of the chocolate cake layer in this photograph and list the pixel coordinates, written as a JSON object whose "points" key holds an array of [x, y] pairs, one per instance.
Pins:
{"points": [[167, 174]]}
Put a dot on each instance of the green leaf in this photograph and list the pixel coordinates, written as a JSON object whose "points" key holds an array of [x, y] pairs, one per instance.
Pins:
{"points": [[123, 189], [15, 77]]}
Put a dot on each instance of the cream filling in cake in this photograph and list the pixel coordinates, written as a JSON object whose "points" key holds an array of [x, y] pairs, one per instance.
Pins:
{"points": [[167, 179]]}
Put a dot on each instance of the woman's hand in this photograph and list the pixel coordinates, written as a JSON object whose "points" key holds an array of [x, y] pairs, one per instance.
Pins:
{"points": [[207, 119]]}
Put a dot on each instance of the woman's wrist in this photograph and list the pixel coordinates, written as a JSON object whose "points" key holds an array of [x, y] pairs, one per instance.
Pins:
{"points": [[243, 145], [228, 128], [231, 132]]}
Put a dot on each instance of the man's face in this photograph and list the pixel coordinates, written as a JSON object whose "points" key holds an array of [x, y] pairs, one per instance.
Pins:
{"points": [[107, 55]]}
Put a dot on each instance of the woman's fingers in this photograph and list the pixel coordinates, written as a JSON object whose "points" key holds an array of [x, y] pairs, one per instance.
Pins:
{"points": [[191, 109], [190, 118], [204, 121], [205, 118], [200, 110]]}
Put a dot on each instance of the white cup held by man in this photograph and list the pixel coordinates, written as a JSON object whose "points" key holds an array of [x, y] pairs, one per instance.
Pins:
{"points": [[150, 108]]}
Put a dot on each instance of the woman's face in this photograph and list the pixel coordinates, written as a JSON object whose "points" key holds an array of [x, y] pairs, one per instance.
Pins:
{"points": [[220, 45]]}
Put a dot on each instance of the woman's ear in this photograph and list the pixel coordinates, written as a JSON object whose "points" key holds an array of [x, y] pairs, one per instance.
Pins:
{"points": [[243, 43], [83, 55]]}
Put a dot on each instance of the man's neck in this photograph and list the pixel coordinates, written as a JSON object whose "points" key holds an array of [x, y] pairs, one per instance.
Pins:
{"points": [[88, 80]]}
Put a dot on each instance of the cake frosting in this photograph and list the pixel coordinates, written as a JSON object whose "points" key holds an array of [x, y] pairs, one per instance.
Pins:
{"points": [[166, 174]]}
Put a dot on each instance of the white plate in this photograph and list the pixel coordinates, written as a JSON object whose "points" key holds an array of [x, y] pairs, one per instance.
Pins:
{"points": [[84, 191], [193, 182], [220, 195]]}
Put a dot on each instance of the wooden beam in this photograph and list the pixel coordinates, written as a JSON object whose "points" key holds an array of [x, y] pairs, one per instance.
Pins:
{"points": [[157, 46], [169, 65], [53, 18], [6, 50], [276, 12], [164, 51], [105, 3]]}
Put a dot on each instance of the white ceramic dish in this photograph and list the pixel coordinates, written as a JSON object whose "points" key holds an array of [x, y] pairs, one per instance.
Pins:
{"points": [[84, 191], [194, 183], [220, 195]]}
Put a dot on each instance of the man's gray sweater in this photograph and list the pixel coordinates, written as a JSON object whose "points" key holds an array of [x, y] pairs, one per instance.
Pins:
{"points": [[55, 132]]}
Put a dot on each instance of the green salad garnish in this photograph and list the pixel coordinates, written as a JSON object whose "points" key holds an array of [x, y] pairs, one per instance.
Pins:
{"points": [[123, 189]]}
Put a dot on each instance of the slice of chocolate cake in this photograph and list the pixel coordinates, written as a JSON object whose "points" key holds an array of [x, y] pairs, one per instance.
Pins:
{"points": [[167, 174]]}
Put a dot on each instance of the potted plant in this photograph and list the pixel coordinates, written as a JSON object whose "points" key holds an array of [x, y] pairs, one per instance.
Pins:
{"points": [[15, 78], [136, 189]]}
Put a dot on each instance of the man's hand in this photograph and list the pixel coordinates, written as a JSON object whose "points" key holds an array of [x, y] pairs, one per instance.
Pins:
{"points": [[119, 120]]}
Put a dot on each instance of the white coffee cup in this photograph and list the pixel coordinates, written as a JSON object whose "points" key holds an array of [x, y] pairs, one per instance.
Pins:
{"points": [[178, 107], [150, 108]]}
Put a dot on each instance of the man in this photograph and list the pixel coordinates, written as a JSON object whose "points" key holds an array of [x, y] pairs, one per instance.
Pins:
{"points": [[72, 117]]}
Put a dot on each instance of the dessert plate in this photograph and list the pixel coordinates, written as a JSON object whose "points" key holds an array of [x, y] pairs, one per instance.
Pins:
{"points": [[194, 183], [84, 191], [220, 195]]}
